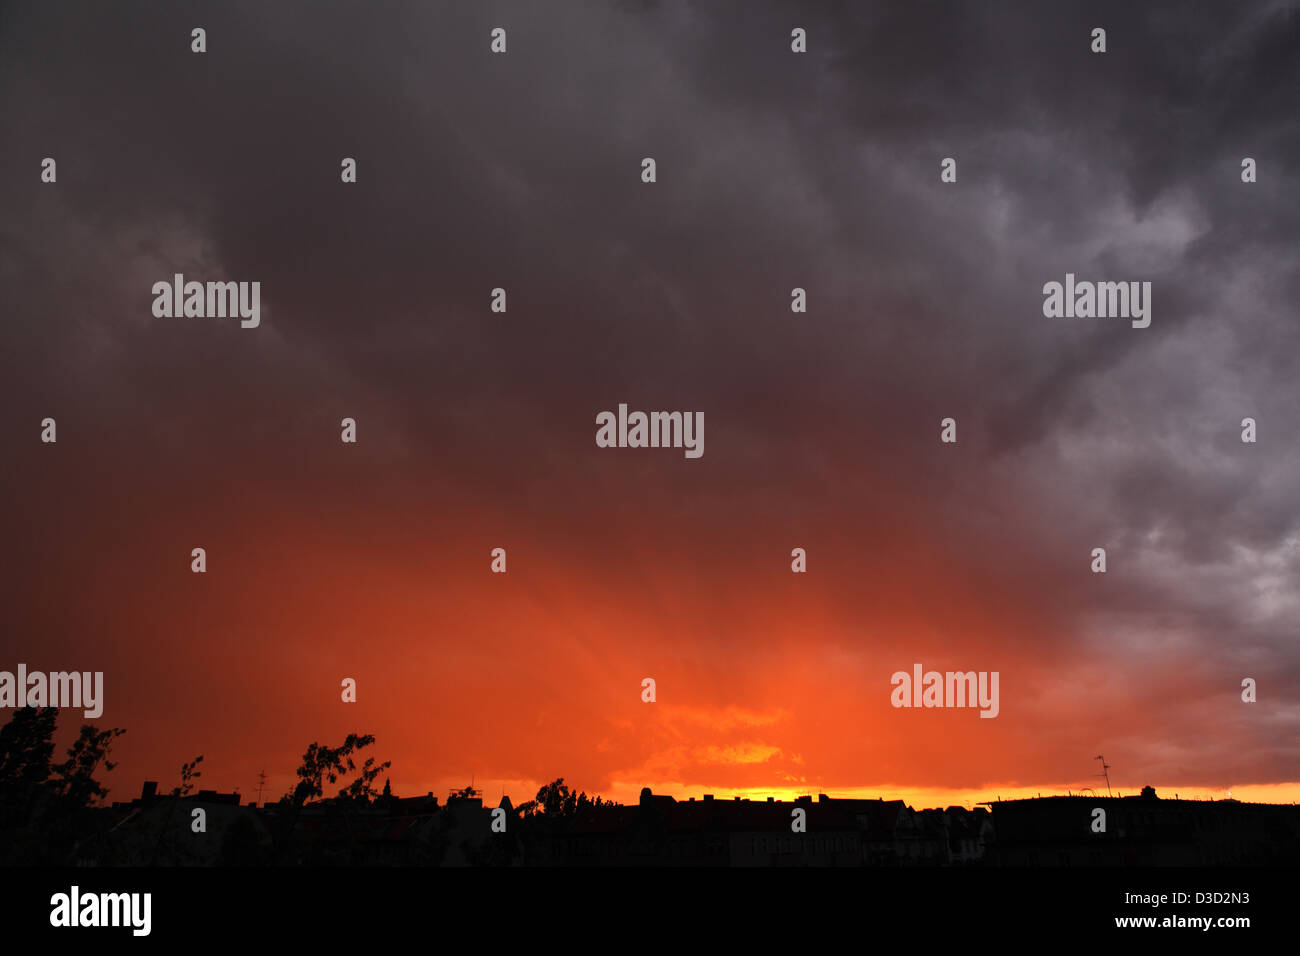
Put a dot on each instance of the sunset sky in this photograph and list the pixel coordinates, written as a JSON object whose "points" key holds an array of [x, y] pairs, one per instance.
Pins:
{"points": [[476, 429]]}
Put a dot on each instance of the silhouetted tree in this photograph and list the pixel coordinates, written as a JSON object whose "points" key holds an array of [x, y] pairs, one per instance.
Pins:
{"points": [[556, 799], [166, 834], [362, 789], [188, 773], [321, 764], [556, 808], [75, 777], [43, 806], [26, 747]]}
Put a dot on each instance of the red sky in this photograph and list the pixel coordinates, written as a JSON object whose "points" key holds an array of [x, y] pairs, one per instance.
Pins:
{"points": [[768, 682]]}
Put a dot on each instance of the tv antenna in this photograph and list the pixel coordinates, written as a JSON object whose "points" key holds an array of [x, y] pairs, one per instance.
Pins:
{"points": [[1105, 772], [261, 784]]}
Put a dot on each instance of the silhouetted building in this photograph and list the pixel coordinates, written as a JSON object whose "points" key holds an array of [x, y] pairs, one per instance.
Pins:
{"points": [[663, 831], [1144, 831]]}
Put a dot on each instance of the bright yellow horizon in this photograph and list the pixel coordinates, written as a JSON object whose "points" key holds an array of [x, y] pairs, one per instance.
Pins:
{"points": [[919, 798]]}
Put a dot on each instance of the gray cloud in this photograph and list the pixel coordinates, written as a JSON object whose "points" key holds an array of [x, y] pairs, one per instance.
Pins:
{"points": [[775, 171]]}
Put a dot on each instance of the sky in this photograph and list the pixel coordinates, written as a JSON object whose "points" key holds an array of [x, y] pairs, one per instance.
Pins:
{"points": [[475, 429]]}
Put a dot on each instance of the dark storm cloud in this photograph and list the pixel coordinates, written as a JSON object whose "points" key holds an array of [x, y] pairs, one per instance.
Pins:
{"points": [[821, 171]]}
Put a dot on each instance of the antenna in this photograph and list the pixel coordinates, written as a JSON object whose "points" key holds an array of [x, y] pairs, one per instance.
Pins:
{"points": [[1105, 772], [261, 784]]}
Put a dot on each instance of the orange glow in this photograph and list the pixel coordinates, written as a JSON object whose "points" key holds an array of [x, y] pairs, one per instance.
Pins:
{"points": [[768, 683]]}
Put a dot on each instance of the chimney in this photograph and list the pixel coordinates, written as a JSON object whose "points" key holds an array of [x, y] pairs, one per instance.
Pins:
{"points": [[150, 790]]}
